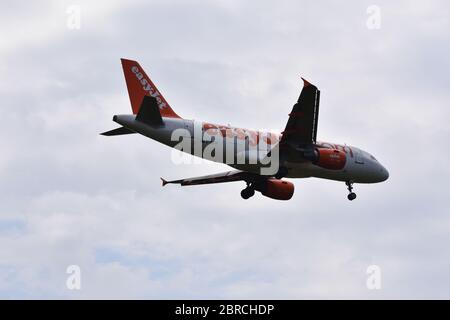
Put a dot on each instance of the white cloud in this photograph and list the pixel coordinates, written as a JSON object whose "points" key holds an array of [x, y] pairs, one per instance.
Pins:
{"points": [[71, 196]]}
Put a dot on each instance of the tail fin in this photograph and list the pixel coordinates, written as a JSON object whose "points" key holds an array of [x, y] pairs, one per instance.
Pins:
{"points": [[140, 85]]}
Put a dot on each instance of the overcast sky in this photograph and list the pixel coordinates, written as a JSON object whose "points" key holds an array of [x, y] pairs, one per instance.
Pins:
{"points": [[72, 197]]}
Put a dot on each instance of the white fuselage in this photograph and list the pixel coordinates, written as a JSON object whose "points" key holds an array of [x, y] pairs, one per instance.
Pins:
{"points": [[360, 166]]}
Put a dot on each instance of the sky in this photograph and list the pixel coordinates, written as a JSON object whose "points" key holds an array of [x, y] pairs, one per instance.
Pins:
{"points": [[72, 197]]}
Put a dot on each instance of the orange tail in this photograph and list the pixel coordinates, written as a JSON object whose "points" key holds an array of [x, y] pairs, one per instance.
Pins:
{"points": [[139, 85]]}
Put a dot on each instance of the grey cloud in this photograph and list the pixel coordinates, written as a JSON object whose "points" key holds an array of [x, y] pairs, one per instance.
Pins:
{"points": [[70, 196]]}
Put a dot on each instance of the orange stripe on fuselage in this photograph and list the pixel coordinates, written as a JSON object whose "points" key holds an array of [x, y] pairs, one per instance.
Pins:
{"points": [[255, 137]]}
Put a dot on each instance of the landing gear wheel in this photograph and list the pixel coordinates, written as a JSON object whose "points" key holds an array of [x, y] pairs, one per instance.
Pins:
{"points": [[351, 196], [247, 193]]}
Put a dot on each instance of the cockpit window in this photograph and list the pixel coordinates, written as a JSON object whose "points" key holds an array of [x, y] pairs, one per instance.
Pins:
{"points": [[368, 155]]}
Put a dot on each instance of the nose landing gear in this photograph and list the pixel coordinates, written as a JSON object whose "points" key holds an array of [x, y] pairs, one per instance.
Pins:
{"points": [[351, 196]]}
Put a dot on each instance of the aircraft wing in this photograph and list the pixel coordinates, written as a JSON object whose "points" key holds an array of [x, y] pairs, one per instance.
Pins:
{"points": [[229, 176], [301, 128]]}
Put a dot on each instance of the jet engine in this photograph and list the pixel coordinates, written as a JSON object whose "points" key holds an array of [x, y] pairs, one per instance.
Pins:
{"points": [[331, 159], [276, 189]]}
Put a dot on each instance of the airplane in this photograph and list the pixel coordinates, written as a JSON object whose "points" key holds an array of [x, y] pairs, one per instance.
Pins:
{"points": [[261, 159]]}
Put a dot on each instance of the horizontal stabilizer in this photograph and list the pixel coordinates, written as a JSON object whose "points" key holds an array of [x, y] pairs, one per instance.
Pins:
{"points": [[149, 112], [117, 132]]}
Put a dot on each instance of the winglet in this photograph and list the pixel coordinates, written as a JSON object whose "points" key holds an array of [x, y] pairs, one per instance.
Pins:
{"points": [[305, 82], [164, 182]]}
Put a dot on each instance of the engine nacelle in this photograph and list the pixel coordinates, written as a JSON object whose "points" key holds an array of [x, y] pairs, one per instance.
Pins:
{"points": [[277, 189], [331, 159]]}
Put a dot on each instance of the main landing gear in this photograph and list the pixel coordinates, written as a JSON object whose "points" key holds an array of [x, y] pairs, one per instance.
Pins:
{"points": [[351, 196], [248, 192]]}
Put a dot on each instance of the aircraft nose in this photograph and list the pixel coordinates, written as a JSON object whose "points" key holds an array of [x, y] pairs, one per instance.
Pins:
{"points": [[384, 174]]}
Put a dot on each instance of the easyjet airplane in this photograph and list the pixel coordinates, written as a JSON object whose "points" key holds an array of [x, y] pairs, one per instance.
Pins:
{"points": [[260, 159]]}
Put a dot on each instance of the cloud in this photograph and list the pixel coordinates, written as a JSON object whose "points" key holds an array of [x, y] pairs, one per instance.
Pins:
{"points": [[70, 196]]}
